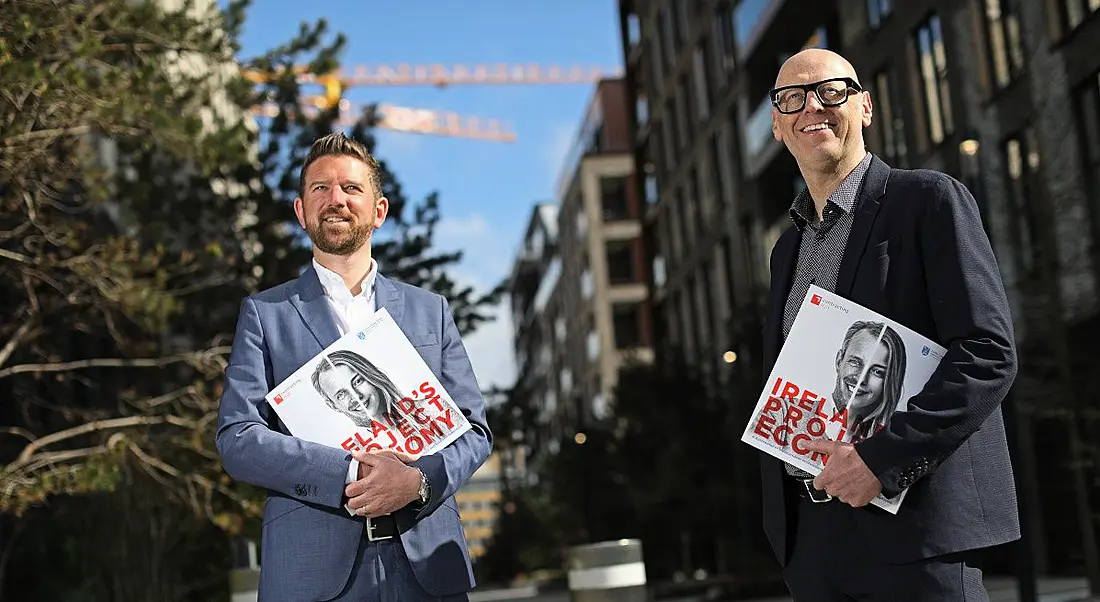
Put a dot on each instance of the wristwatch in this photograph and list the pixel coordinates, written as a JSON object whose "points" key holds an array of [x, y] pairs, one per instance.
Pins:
{"points": [[425, 488]]}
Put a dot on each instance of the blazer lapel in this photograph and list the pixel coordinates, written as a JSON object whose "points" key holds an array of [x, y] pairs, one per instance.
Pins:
{"points": [[785, 258], [389, 296], [310, 301], [870, 195]]}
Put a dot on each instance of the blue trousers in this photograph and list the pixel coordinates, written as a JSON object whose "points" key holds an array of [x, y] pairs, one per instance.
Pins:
{"points": [[382, 573]]}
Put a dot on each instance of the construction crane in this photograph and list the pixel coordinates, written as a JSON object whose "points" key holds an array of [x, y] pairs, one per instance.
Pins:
{"points": [[441, 76], [406, 119], [425, 121]]}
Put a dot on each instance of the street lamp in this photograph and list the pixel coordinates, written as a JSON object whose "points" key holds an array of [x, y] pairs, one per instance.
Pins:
{"points": [[970, 161], [729, 357]]}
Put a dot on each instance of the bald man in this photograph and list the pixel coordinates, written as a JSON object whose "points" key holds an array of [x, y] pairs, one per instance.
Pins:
{"points": [[908, 244]]}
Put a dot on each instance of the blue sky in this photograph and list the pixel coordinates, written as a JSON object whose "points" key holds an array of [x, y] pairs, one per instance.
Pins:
{"points": [[487, 189]]}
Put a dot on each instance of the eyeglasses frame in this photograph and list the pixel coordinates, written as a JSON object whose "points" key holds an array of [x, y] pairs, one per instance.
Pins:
{"points": [[807, 88]]}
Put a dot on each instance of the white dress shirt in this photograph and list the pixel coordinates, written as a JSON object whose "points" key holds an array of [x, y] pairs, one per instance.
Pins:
{"points": [[352, 312]]}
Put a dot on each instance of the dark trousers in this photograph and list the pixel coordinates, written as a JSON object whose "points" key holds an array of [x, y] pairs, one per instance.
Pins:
{"points": [[832, 562], [382, 574]]}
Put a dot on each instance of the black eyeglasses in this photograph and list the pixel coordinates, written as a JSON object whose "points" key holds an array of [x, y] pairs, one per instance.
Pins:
{"points": [[831, 92]]}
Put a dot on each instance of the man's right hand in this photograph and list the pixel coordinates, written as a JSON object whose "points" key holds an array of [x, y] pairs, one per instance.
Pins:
{"points": [[386, 484]]}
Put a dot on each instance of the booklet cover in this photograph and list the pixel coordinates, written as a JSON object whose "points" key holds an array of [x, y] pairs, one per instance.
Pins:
{"points": [[370, 390], [844, 370]]}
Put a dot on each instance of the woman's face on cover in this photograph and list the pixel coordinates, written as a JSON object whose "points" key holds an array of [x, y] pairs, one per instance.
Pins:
{"points": [[863, 352], [351, 392]]}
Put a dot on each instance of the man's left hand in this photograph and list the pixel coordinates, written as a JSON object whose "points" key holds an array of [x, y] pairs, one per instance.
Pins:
{"points": [[387, 485], [845, 476]]}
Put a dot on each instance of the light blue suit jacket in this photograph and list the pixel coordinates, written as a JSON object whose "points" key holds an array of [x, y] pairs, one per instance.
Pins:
{"points": [[309, 541]]}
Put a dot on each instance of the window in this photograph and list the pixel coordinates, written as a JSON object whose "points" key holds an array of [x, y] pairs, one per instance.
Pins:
{"points": [[625, 322], [890, 124], [651, 189], [747, 17], [620, 262], [1022, 167], [683, 111], [666, 38], [718, 165], [932, 63], [1006, 51], [702, 92], [723, 49], [691, 207], [1072, 13], [675, 210], [1088, 124], [633, 29], [613, 199], [877, 11], [592, 345]]}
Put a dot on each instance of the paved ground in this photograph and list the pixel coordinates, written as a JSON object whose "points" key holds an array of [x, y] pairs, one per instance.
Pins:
{"points": [[1000, 590]]}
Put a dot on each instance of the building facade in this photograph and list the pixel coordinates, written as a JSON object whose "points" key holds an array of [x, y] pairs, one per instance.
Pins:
{"points": [[1002, 94], [578, 289], [479, 504]]}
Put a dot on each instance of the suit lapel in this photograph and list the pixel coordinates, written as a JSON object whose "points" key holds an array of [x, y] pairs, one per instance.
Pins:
{"points": [[785, 258], [870, 195], [309, 299], [389, 296]]}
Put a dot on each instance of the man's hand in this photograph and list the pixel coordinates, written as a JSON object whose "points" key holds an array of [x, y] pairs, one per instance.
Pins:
{"points": [[385, 484], [845, 475]]}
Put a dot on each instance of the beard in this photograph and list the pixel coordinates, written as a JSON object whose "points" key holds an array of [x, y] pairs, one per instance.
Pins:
{"points": [[342, 238]]}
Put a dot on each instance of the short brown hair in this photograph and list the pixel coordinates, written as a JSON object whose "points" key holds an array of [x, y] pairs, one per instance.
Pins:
{"points": [[337, 144]]}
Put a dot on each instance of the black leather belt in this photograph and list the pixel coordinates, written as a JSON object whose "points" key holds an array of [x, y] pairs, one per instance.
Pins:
{"points": [[380, 528], [806, 490]]}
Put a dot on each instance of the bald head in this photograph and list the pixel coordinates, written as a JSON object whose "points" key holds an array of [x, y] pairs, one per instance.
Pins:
{"points": [[814, 64]]}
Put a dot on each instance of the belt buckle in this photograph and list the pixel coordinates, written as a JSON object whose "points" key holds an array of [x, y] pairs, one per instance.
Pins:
{"points": [[370, 532], [817, 496]]}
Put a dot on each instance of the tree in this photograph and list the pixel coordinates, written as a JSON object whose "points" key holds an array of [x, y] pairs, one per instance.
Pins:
{"points": [[666, 468], [137, 208]]}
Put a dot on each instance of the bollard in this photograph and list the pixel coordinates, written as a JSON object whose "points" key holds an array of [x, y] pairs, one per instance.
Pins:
{"points": [[244, 576], [610, 571], [244, 585]]}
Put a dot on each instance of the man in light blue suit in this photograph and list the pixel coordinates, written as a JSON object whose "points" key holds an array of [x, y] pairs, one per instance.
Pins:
{"points": [[404, 541]]}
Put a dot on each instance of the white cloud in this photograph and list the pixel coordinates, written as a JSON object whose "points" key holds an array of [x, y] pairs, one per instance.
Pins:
{"points": [[450, 228], [490, 350]]}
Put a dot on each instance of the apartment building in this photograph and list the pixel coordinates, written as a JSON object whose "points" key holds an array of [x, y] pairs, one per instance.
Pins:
{"points": [[716, 184], [479, 504], [578, 289], [1002, 94], [1005, 96]]}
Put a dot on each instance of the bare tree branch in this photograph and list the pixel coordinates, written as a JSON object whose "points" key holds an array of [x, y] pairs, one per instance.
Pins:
{"points": [[96, 426], [16, 257], [78, 130], [20, 432], [159, 362], [15, 340]]}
